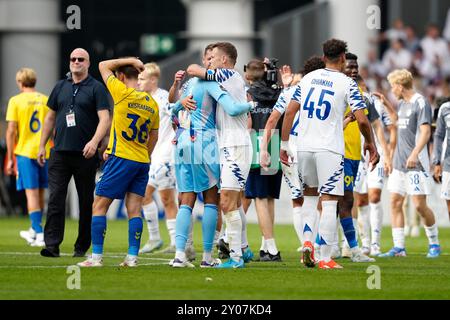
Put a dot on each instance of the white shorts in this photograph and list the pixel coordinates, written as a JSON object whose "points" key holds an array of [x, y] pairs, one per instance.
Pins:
{"points": [[292, 179], [411, 182], [235, 165], [375, 178], [324, 170], [445, 189], [366, 179], [161, 176], [361, 179]]}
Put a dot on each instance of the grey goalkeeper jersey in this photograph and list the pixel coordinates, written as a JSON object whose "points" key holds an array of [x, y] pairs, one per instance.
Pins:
{"points": [[411, 115], [440, 140]]}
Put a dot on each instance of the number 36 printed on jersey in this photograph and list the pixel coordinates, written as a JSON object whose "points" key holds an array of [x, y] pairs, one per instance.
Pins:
{"points": [[140, 133]]}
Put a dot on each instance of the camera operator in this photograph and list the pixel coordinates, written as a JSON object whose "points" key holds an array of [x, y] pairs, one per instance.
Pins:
{"points": [[264, 186]]}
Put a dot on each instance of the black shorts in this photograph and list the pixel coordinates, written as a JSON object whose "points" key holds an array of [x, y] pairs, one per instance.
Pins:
{"points": [[263, 186]]}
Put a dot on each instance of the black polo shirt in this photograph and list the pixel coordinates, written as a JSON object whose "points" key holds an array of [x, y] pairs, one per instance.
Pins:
{"points": [[87, 97]]}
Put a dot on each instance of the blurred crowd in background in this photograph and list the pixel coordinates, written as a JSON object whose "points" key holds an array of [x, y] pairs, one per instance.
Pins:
{"points": [[428, 58]]}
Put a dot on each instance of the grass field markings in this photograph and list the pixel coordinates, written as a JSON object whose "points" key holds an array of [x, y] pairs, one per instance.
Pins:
{"points": [[107, 255], [55, 267], [425, 253], [20, 253], [31, 267], [139, 257]]}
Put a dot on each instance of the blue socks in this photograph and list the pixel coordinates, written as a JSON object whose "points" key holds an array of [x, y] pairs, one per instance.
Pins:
{"points": [[182, 227], [209, 222], [349, 231], [98, 232], [36, 219], [135, 226]]}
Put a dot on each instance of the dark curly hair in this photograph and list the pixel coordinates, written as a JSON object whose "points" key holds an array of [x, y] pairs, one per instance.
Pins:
{"points": [[333, 48], [313, 63], [351, 56]]}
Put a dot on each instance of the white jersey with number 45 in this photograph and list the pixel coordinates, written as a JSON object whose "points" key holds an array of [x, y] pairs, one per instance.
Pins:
{"points": [[323, 96]]}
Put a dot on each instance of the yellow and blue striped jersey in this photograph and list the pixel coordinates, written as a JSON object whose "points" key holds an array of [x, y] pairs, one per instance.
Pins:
{"points": [[135, 114], [28, 109]]}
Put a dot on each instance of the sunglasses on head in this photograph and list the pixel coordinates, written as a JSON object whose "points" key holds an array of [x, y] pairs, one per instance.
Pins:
{"points": [[75, 59]]}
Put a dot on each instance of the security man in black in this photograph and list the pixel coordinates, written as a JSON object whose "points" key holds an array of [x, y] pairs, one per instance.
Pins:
{"points": [[79, 113], [264, 187]]}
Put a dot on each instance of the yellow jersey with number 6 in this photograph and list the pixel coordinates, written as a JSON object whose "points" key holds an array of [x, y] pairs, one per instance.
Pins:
{"points": [[135, 114], [28, 109]]}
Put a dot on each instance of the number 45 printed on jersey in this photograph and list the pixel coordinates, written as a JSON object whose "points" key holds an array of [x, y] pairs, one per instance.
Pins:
{"points": [[323, 108]]}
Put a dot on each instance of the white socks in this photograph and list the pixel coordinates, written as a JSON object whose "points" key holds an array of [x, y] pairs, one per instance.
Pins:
{"points": [[376, 221], [327, 228], [432, 234], [271, 246], [364, 218], [170, 223], [309, 216], [244, 241], [151, 216], [398, 235], [216, 236], [355, 225], [234, 230], [297, 217]]}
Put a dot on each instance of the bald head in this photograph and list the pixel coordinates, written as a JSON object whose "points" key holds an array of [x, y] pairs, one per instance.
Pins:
{"points": [[79, 63], [80, 52]]}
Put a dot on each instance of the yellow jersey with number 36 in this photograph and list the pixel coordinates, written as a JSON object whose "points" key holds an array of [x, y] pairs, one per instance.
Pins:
{"points": [[135, 114], [28, 109]]}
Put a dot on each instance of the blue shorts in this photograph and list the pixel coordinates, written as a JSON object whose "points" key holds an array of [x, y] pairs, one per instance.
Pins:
{"points": [[30, 174], [350, 173], [197, 167], [121, 176], [263, 186]]}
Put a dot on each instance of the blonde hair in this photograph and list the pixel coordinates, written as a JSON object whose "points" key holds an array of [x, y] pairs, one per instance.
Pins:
{"points": [[402, 77], [27, 77], [152, 69]]}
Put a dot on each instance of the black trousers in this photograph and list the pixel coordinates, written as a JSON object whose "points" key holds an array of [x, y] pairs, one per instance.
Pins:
{"points": [[62, 166]]}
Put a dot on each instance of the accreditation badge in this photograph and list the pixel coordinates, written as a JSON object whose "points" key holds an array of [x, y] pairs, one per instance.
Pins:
{"points": [[70, 119]]}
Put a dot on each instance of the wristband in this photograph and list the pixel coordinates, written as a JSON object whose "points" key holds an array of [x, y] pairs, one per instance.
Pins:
{"points": [[210, 75], [285, 145]]}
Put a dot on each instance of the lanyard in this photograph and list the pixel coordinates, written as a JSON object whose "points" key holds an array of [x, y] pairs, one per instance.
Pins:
{"points": [[74, 94]]}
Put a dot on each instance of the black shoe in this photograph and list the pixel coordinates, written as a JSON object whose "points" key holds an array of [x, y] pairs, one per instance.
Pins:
{"points": [[223, 249], [223, 255], [262, 255], [79, 254], [270, 258], [50, 252]]}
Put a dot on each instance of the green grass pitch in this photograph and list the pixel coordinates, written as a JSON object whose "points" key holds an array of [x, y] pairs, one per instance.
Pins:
{"points": [[24, 274]]}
